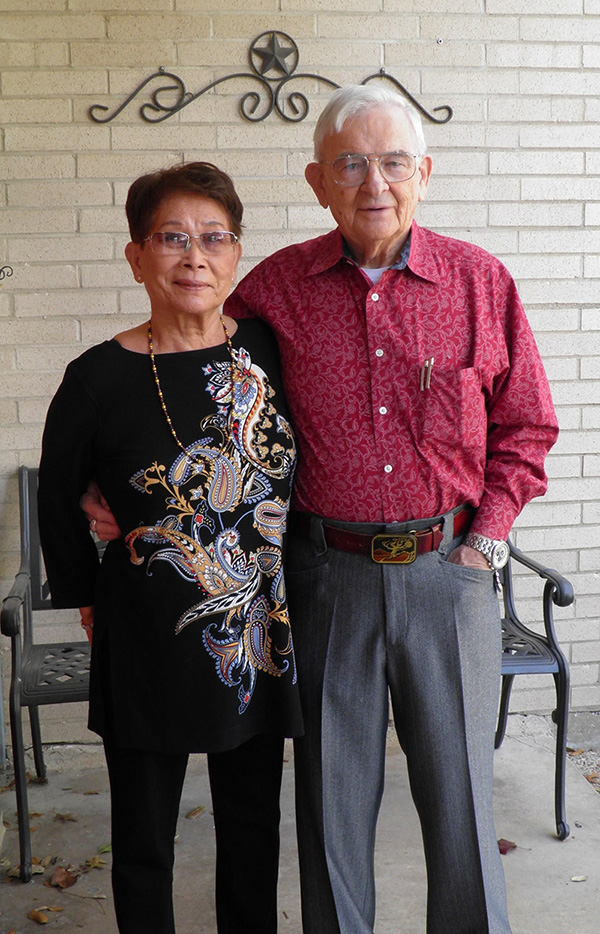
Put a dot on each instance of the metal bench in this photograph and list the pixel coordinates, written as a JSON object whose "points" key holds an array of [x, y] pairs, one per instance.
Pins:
{"points": [[46, 673], [525, 652]]}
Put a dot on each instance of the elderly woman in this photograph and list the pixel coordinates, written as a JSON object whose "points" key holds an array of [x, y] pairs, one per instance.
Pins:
{"points": [[182, 422]]}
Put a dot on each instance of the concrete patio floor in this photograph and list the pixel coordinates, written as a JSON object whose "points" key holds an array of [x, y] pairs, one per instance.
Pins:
{"points": [[540, 872]]}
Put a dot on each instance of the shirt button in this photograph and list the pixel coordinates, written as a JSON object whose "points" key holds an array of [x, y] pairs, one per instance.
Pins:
{"points": [[383, 410], [388, 468], [375, 297], [379, 352]]}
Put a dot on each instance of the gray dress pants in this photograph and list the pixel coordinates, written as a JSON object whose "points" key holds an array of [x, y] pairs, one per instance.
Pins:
{"points": [[428, 634]]}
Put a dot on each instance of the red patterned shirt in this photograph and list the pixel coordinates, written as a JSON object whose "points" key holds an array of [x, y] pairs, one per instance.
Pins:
{"points": [[412, 396]]}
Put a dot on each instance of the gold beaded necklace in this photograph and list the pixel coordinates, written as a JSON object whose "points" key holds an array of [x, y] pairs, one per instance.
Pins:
{"points": [[232, 368]]}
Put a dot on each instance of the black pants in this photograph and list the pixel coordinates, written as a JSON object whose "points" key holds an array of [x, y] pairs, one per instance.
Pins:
{"points": [[145, 796]]}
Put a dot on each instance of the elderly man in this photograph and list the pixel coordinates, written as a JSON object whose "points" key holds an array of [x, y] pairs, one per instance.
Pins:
{"points": [[424, 417]]}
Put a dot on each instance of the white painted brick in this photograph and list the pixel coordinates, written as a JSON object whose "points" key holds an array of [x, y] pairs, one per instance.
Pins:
{"points": [[95, 329], [58, 82], [550, 7], [592, 215], [524, 163], [590, 417], [556, 28], [589, 559], [35, 139], [103, 220], [39, 166], [591, 512], [60, 249], [450, 215], [37, 222], [18, 26], [535, 215], [52, 193], [542, 513], [447, 82], [16, 54], [583, 442], [590, 319], [582, 675], [590, 368], [122, 165], [33, 411], [569, 418], [487, 28], [565, 466], [586, 652], [474, 189], [560, 137], [591, 465], [538, 55], [429, 53], [424, 6], [51, 53], [34, 111], [560, 290], [38, 277], [561, 189], [112, 54], [174, 25], [114, 275], [245, 25], [567, 241], [538, 267], [65, 303]]}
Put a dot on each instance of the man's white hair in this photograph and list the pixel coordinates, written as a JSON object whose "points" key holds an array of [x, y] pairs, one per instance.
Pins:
{"points": [[354, 99]]}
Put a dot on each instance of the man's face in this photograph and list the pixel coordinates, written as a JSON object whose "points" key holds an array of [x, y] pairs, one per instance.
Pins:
{"points": [[375, 217]]}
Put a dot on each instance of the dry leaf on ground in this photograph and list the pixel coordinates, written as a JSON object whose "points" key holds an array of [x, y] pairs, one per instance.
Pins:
{"points": [[505, 846], [39, 916], [64, 878]]}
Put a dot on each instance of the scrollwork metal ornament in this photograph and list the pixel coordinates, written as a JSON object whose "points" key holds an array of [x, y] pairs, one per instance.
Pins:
{"points": [[273, 58], [5, 272]]}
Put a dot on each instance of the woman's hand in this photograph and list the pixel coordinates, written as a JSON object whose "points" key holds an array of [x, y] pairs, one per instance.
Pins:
{"points": [[99, 514], [87, 620]]}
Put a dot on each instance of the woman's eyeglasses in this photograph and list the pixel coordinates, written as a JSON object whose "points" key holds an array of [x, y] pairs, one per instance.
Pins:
{"points": [[166, 242]]}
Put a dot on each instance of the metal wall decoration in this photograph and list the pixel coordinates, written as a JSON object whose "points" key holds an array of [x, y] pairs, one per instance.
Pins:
{"points": [[5, 272], [273, 58]]}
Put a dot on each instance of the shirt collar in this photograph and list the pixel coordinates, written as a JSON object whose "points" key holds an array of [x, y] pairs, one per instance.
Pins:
{"points": [[416, 254]]}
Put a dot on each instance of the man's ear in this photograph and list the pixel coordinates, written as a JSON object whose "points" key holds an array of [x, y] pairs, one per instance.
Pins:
{"points": [[314, 176]]}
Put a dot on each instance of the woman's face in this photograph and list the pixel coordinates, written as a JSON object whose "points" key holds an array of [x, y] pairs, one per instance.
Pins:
{"points": [[190, 282]]}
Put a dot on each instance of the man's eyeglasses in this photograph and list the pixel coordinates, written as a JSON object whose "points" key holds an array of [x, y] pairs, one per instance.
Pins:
{"points": [[213, 242], [351, 170]]}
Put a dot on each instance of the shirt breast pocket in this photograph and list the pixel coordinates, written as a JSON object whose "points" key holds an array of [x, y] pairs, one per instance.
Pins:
{"points": [[452, 410]]}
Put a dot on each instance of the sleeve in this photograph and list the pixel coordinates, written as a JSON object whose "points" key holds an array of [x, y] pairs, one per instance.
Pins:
{"points": [[240, 303], [522, 423], [66, 467]]}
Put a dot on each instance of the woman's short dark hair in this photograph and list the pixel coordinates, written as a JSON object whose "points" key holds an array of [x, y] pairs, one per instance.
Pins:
{"points": [[202, 178]]}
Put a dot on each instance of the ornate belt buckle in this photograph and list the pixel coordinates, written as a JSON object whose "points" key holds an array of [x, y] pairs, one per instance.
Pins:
{"points": [[394, 549]]}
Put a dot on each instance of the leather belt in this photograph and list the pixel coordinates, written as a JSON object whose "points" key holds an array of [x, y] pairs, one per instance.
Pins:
{"points": [[383, 548]]}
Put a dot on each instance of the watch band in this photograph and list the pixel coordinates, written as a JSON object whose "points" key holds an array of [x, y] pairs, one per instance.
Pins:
{"points": [[496, 551]]}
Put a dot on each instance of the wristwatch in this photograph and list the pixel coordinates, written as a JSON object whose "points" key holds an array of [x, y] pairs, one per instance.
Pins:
{"points": [[496, 551]]}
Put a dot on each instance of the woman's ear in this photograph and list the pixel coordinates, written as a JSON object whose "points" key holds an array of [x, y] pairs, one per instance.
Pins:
{"points": [[133, 252]]}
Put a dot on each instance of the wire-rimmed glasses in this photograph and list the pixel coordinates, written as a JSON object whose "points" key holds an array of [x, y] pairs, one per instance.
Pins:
{"points": [[351, 169]]}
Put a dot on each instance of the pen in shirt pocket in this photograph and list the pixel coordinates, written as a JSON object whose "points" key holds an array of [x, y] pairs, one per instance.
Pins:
{"points": [[426, 371]]}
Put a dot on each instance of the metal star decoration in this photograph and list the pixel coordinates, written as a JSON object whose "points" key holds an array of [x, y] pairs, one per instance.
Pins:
{"points": [[274, 55]]}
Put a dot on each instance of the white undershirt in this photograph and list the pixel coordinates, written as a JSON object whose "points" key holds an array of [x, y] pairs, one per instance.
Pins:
{"points": [[375, 274]]}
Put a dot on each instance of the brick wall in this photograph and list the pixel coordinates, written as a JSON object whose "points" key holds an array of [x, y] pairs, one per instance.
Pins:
{"points": [[517, 170]]}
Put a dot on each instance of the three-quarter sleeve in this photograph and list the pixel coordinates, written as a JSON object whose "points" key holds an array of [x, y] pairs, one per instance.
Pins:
{"points": [[66, 468]]}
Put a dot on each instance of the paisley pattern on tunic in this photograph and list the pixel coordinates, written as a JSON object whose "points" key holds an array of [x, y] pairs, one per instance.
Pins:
{"points": [[222, 483]]}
